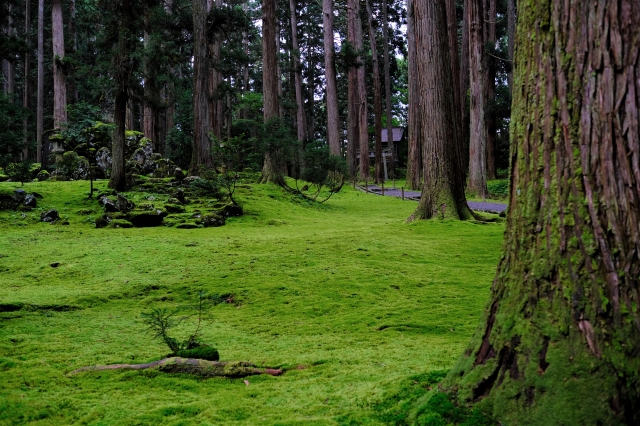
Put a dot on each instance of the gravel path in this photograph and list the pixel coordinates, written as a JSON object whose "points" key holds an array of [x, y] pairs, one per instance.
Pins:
{"points": [[487, 207]]}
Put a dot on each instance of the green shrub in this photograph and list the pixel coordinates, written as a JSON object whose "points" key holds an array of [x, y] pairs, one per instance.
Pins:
{"points": [[498, 188], [202, 352]]}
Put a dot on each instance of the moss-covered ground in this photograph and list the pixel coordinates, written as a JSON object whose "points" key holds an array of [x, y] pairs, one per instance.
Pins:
{"points": [[354, 302]]}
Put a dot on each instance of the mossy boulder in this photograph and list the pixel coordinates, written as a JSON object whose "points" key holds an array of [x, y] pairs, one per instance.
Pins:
{"points": [[146, 218], [120, 223], [212, 220], [174, 208], [43, 175], [187, 225], [101, 222]]}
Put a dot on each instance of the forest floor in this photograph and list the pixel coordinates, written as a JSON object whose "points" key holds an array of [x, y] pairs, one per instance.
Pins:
{"points": [[362, 309]]}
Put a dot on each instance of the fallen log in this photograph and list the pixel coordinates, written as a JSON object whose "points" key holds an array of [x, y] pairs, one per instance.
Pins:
{"points": [[197, 367]]}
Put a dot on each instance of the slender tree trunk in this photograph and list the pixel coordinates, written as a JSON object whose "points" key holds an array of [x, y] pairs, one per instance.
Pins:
{"points": [[8, 66], [170, 95], [511, 35], [414, 161], [300, 115], [477, 77], [491, 88], [117, 180], [443, 190], [26, 90], [41, 156], [271, 168], [278, 67], [59, 77], [362, 111], [377, 98], [387, 88], [452, 31], [201, 156], [333, 119], [560, 337], [311, 89], [464, 87]]}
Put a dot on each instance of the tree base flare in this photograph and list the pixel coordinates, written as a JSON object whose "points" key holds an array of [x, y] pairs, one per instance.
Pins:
{"points": [[197, 367]]}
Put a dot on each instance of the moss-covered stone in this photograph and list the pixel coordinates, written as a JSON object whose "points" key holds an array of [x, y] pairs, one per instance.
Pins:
{"points": [[174, 208], [120, 223], [146, 218], [212, 220], [187, 225], [101, 222]]}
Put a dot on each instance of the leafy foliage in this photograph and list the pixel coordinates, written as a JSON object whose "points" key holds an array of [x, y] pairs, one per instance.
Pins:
{"points": [[19, 171]]}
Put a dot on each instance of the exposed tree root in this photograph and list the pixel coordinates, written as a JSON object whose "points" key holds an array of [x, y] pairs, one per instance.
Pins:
{"points": [[197, 367]]}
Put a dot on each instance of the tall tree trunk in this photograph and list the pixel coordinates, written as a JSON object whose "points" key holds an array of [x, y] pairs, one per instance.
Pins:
{"points": [[414, 161], [353, 122], [311, 90], [478, 136], [118, 179], [452, 31], [201, 156], [464, 87], [170, 93], [59, 77], [216, 100], [511, 35], [8, 66], [333, 119], [561, 334], [491, 89], [150, 92], [362, 111], [71, 30], [270, 85], [300, 115], [26, 89], [41, 156], [387, 87], [443, 191], [278, 67], [377, 98]]}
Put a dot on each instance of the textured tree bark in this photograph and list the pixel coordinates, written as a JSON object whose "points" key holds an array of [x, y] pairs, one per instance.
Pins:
{"points": [[362, 111], [118, 179], [560, 338], [452, 31], [201, 156], [333, 119], [41, 157], [270, 85], [197, 367], [216, 100], [311, 89], [414, 162], [387, 87], [490, 28], [443, 187], [8, 67], [377, 98], [150, 94], [511, 35], [59, 77], [353, 122], [26, 86], [72, 87], [464, 87], [301, 118], [478, 136]]}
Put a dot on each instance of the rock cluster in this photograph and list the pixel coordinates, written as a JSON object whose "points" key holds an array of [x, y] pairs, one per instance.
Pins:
{"points": [[20, 200]]}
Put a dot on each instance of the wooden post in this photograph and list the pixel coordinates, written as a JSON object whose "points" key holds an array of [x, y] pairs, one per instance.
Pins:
{"points": [[383, 189], [403, 193]]}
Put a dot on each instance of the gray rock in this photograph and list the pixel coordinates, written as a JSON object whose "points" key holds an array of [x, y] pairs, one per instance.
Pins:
{"points": [[108, 204], [103, 160], [19, 195], [146, 218], [49, 216], [179, 195], [30, 201], [213, 221], [124, 205], [178, 174]]}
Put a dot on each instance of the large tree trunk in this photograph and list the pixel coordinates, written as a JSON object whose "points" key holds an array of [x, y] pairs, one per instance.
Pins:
{"points": [[26, 89], [353, 122], [362, 111], [414, 161], [118, 179], [8, 66], [387, 87], [201, 156], [490, 28], [150, 92], [71, 28], [452, 31], [377, 98], [333, 119], [311, 90], [216, 100], [443, 190], [270, 85], [464, 86], [301, 118], [477, 77], [59, 77], [41, 156], [511, 35], [561, 333]]}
